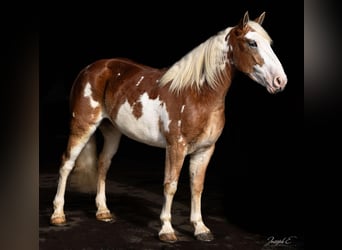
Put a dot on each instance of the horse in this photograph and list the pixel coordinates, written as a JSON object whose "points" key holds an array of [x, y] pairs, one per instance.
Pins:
{"points": [[180, 108]]}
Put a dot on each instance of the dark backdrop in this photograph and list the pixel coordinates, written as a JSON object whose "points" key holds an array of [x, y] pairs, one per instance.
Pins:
{"points": [[258, 160]]}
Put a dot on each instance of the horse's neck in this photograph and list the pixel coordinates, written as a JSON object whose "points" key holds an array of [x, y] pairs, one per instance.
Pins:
{"points": [[212, 98], [224, 82]]}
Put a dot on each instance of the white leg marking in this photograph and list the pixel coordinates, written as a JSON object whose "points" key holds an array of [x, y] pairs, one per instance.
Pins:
{"points": [[196, 216], [101, 196], [165, 215], [110, 148], [64, 171], [198, 165]]}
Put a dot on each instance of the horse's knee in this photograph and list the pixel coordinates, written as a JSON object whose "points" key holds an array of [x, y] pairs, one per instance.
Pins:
{"points": [[170, 188], [197, 187]]}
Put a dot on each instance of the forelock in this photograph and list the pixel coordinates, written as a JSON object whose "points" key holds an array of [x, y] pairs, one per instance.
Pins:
{"points": [[260, 30]]}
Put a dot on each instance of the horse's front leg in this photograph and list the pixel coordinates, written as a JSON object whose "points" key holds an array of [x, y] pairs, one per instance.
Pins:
{"points": [[173, 164], [198, 165]]}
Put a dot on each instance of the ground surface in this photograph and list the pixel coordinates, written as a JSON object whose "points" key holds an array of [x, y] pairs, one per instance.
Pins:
{"points": [[134, 194]]}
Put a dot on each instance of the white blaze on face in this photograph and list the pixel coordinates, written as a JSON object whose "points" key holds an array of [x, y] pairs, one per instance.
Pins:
{"points": [[145, 128], [272, 68], [88, 93]]}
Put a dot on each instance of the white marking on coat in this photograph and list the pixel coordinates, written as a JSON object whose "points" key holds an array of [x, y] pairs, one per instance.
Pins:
{"points": [[88, 93], [141, 78], [118, 74], [149, 127], [182, 109]]}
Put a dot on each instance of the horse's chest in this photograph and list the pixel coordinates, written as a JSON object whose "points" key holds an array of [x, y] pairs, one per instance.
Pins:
{"points": [[144, 120], [210, 132]]}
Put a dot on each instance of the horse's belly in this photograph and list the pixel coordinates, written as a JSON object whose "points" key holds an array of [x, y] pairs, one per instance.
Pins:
{"points": [[144, 121]]}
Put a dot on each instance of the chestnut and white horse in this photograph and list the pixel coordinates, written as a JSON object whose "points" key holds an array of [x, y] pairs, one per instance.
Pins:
{"points": [[181, 109]]}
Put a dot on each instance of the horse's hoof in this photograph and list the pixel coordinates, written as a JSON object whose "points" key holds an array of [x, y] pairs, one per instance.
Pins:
{"points": [[58, 220], [106, 217], [205, 236], [169, 237]]}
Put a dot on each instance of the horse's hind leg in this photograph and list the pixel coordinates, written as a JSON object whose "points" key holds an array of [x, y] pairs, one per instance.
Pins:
{"points": [[111, 137], [81, 130]]}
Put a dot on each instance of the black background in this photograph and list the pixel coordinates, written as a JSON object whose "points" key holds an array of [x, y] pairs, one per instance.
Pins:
{"points": [[258, 159]]}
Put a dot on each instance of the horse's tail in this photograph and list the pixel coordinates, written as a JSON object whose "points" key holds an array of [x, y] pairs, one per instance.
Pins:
{"points": [[84, 175]]}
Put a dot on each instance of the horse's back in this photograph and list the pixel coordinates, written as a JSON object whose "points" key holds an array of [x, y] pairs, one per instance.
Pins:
{"points": [[107, 68], [115, 66], [105, 76]]}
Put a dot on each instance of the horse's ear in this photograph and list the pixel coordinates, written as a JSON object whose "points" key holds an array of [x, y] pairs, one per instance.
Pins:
{"points": [[244, 20], [261, 18]]}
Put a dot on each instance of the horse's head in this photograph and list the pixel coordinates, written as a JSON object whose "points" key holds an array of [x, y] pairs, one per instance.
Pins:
{"points": [[251, 53]]}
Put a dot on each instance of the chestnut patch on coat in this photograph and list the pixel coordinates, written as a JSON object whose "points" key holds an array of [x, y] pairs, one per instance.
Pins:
{"points": [[137, 109]]}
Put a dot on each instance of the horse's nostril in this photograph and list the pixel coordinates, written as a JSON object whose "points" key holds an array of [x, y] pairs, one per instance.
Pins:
{"points": [[277, 81]]}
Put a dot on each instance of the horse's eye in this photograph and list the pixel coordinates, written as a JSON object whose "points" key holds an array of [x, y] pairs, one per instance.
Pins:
{"points": [[252, 43]]}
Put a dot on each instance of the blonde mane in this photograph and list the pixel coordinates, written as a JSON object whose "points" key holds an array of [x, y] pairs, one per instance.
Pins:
{"points": [[205, 63]]}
